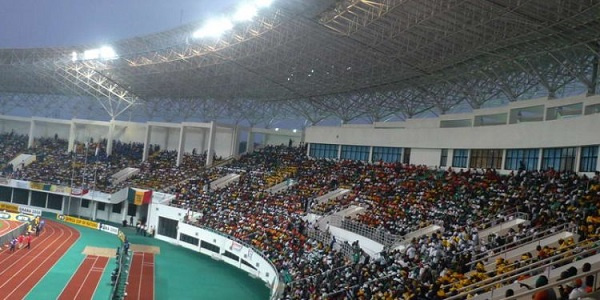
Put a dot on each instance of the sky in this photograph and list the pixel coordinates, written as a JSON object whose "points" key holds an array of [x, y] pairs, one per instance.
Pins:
{"points": [[57, 23]]}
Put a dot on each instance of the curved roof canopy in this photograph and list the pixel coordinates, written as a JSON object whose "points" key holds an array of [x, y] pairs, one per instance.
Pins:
{"points": [[347, 57]]}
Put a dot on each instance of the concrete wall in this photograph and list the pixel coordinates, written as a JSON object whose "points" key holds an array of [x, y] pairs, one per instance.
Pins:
{"points": [[49, 129], [129, 132], [263, 269], [429, 157], [556, 133], [17, 126], [223, 142], [84, 132]]}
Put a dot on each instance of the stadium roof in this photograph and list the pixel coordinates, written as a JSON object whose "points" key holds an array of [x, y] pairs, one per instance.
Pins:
{"points": [[346, 58]]}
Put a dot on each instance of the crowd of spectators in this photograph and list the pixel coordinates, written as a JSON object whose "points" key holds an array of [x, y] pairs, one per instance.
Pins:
{"points": [[161, 171], [399, 199], [88, 166], [12, 145]]}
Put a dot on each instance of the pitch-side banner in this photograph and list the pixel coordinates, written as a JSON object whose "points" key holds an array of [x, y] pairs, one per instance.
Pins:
{"points": [[109, 229], [30, 210], [78, 221]]}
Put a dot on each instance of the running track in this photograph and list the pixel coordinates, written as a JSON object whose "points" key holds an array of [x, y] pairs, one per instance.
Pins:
{"points": [[24, 268], [141, 277], [8, 226], [84, 282]]}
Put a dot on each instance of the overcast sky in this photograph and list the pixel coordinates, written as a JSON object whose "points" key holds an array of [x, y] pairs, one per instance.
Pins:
{"points": [[51, 23]]}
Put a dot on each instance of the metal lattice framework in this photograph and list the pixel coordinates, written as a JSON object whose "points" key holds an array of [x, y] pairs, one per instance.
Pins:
{"points": [[348, 59]]}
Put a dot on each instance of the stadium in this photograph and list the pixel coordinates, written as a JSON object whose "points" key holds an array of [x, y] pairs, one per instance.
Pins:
{"points": [[309, 149]]}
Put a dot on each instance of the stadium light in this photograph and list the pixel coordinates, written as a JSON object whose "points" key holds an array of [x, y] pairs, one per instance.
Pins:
{"points": [[91, 54], [245, 13], [107, 52], [214, 28], [104, 52]]}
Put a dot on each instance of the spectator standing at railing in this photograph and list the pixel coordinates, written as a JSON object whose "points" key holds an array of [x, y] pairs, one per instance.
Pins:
{"points": [[547, 294], [578, 290]]}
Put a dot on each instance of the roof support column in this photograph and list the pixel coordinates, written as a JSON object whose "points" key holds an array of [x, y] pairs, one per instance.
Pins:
{"points": [[71, 146], [109, 142], [210, 152], [147, 142], [31, 132], [235, 140], [181, 146], [250, 141]]}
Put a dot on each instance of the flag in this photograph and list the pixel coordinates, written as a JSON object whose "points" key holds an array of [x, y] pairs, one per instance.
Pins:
{"points": [[79, 191], [138, 196]]}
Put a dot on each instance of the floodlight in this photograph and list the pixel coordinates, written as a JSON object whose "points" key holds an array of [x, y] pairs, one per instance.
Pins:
{"points": [[214, 28], [107, 52], [277, 129], [295, 130], [245, 13], [263, 3], [91, 54], [74, 56]]}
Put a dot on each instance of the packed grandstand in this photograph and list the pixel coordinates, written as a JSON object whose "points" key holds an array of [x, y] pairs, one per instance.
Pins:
{"points": [[504, 93], [458, 258]]}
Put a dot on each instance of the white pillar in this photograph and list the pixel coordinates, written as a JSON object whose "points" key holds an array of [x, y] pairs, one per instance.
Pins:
{"points": [[235, 140], [598, 164], [109, 142], [371, 154], [94, 209], [339, 152], [31, 132], [250, 142], [211, 143], [147, 142], [577, 159], [181, 145], [503, 159], [71, 146], [540, 157], [124, 206], [167, 135]]}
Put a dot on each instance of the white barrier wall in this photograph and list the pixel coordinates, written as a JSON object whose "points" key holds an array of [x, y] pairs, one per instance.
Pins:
{"points": [[223, 142], [195, 137], [166, 137], [556, 133], [15, 124], [48, 129], [91, 130], [428, 157], [129, 132], [249, 260]]}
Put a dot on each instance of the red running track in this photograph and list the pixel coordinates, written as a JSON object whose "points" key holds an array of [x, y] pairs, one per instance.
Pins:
{"points": [[141, 277], [8, 225], [84, 282], [22, 269]]}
